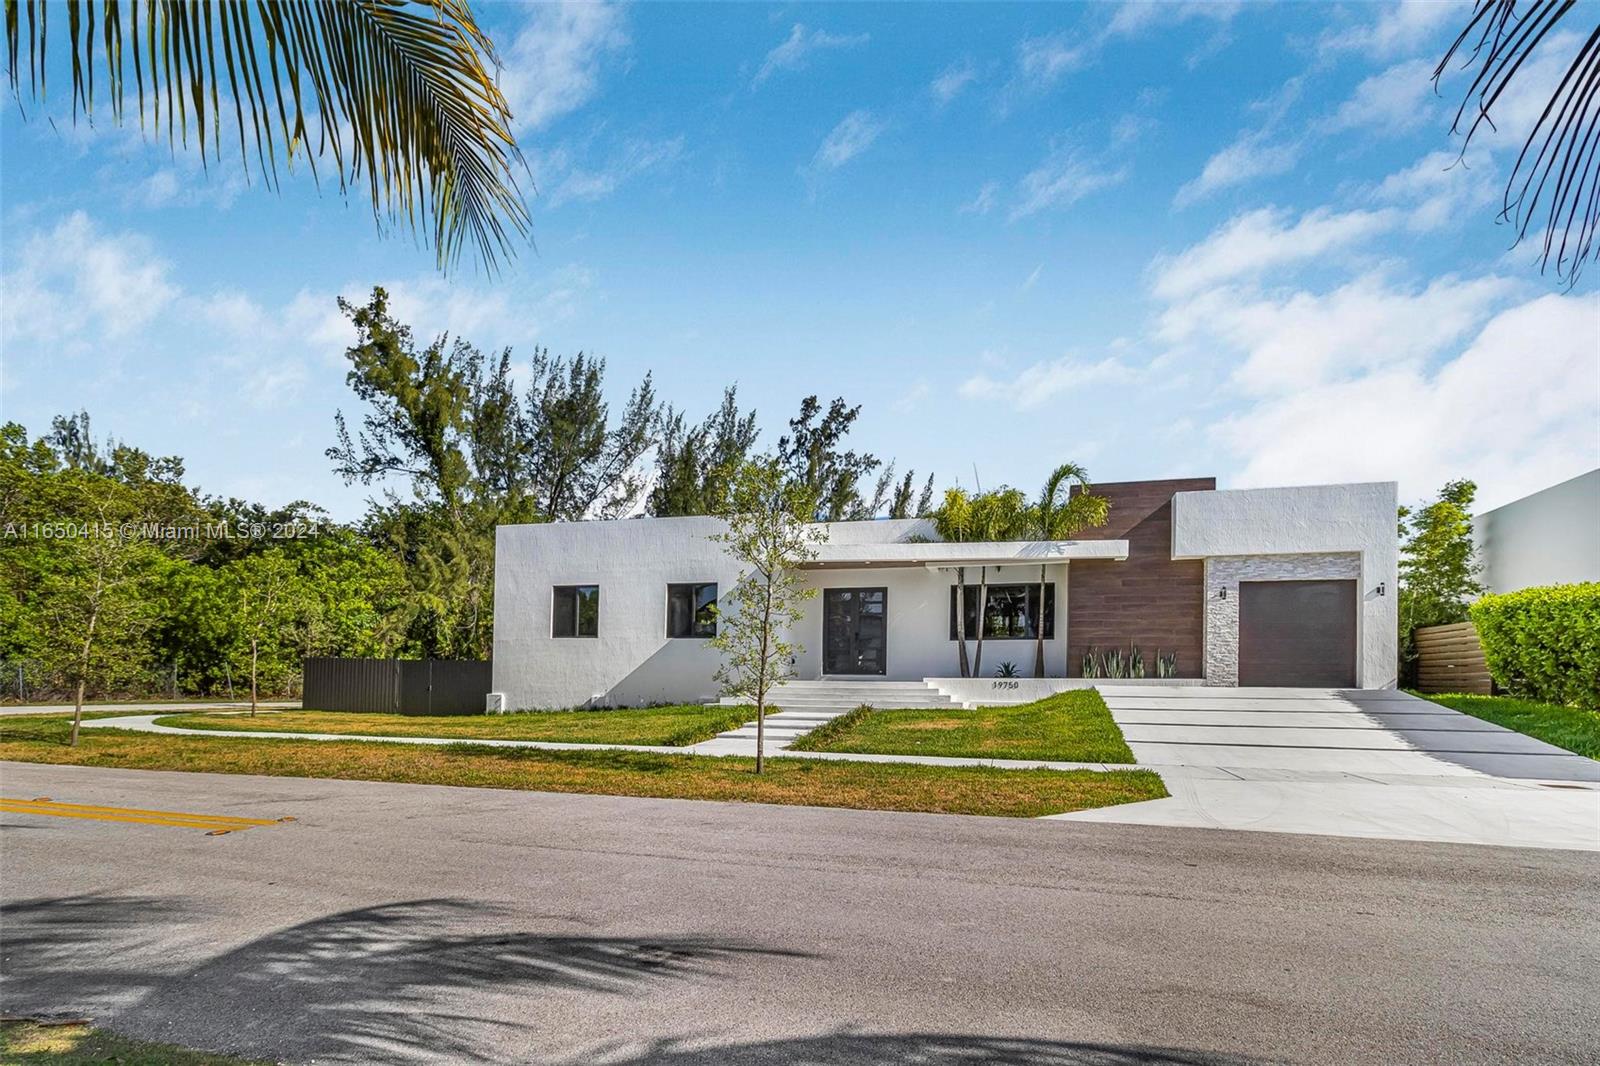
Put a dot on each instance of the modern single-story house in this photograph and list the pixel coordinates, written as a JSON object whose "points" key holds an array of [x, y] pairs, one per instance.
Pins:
{"points": [[1277, 586]]}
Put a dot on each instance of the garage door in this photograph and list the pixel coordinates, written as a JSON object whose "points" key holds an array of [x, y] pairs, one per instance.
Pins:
{"points": [[1297, 633]]}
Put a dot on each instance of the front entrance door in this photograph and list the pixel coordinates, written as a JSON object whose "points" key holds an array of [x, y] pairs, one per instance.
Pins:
{"points": [[855, 633]]}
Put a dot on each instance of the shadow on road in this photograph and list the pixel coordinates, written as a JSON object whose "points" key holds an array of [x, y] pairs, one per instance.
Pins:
{"points": [[373, 984], [908, 1049]]}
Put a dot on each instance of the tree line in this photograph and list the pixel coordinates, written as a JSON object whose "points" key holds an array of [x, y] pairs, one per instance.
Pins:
{"points": [[119, 577]]}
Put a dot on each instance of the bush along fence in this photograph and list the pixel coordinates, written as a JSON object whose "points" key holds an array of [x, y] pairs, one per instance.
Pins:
{"points": [[1544, 643], [1450, 659]]}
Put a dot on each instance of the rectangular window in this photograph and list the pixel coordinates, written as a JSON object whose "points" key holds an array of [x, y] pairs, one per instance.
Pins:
{"points": [[692, 610], [1011, 612], [575, 611]]}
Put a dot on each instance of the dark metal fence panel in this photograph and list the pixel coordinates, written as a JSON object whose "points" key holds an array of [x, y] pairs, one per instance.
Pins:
{"points": [[396, 686]]}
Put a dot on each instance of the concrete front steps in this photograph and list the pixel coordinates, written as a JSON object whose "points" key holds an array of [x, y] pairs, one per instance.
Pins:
{"points": [[807, 704]]}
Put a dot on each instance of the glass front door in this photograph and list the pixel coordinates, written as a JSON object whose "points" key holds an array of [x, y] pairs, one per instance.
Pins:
{"points": [[855, 631]]}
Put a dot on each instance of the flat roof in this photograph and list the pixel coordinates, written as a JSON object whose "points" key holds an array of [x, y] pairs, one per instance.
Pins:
{"points": [[938, 555]]}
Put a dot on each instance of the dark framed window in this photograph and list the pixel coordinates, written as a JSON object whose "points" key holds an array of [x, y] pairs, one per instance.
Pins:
{"points": [[1011, 612], [575, 611], [692, 609]]}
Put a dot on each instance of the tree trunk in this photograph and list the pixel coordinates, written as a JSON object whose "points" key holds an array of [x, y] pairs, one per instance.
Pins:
{"points": [[961, 619], [1038, 625], [762, 676], [255, 648], [77, 715], [983, 610]]}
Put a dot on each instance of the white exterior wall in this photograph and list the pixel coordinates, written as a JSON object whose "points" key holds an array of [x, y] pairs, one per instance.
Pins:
{"points": [[1549, 538], [633, 661], [1313, 531]]}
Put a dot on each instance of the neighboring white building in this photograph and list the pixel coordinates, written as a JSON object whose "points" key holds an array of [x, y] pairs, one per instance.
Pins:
{"points": [[1288, 586], [1549, 538]]}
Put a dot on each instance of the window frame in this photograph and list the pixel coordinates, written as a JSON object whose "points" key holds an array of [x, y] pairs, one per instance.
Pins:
{"points": [[694, 611], [577, 616], [1048, 609]]}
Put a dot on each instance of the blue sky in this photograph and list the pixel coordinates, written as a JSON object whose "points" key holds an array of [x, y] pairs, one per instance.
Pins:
{"points": [[1161, 240]]}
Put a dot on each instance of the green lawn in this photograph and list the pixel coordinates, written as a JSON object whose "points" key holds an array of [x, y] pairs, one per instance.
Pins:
{"points": [[672, 726], [1071, 726], [809, 782], [27, 1043], [1566, 727]]}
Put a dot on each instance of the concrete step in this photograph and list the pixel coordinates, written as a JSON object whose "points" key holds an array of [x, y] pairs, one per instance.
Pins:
{"points": [[806, 703], [855, 686]]}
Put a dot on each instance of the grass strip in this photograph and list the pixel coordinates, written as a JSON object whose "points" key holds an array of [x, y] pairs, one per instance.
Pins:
{"points": [[1572, 728], [33, 1043], [810, 782], [671, 726], [1070, 726]]}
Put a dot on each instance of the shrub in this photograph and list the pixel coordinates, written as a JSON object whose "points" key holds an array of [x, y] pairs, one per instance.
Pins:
{"points": [[1544, 643]]}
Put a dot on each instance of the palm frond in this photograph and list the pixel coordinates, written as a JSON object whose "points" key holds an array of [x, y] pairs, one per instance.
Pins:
{"points": [[1556, 178], [399, 92]]}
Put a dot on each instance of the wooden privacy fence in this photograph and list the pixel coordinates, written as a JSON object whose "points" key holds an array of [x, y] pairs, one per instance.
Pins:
{"points": [[1450, 659], [396, 686]]}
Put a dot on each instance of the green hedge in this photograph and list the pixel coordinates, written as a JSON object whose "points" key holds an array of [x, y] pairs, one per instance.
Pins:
{"points": [[1544, 643]]}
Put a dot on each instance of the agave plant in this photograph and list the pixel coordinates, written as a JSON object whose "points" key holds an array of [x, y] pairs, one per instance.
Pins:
{"points": [[1166, 664], [1091, 662], [1112, 664], [1006, 669], [1135, 661], [399, 93]]}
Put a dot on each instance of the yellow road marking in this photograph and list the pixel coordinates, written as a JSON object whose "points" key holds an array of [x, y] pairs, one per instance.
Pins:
{"points": [[216, 824]]}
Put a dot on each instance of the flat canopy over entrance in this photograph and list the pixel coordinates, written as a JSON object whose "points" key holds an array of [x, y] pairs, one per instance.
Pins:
{"points": [[940, 555]]}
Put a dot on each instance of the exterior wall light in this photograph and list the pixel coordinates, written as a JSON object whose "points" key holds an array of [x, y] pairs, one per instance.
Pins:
{"points": [[1381, 584], [1222, 593]]}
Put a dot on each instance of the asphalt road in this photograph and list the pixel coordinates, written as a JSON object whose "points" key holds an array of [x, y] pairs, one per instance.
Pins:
{"points": [[407, 923]]}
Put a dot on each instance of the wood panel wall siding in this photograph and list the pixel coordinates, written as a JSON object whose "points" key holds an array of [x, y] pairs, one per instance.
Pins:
{"points": [[1150, 599], [1450, 659]]}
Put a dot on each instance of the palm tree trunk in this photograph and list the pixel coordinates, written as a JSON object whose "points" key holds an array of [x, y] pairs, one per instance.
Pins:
{"points": [[983, 610], [961, 619], [1038, 627]]}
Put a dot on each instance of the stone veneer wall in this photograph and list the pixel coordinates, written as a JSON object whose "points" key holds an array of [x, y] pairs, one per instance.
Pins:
{"points": [[1222, 614]]}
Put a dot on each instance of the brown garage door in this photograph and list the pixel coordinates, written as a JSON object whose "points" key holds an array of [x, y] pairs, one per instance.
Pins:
{"points": [[1297, 633]]}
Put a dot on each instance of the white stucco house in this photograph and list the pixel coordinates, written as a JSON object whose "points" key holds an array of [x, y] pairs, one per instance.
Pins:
{"points": [[1280, 586], [1551, 537]]}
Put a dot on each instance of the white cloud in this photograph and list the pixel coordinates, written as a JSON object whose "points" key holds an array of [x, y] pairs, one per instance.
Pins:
{"points": [[1041, 61], [1440, 188], [568, 180], [1399, 27], [1064, 179], [1252, 243], [76, 284], [953, 81], [797, 49], [1042, 382], [1253, 155], [854, 134], [1136, 16], [1391, 102], [985, 201], [1518, 409], [553, 65], [1303, 338]]}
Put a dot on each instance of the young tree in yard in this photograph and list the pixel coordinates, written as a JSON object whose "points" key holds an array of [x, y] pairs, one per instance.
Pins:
{"points": [[1438, 564], [769, 534], [1059, 515], [95, 613], [269, 597]]}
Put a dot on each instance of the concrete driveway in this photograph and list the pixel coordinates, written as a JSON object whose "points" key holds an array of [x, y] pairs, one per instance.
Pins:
{"points": [[1350, 762]]}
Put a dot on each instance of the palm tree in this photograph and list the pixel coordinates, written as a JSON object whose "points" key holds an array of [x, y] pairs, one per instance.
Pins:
{"points": [[1054, 518], [1558, 170], [953, 522], [398, 91], [1000, 514]]}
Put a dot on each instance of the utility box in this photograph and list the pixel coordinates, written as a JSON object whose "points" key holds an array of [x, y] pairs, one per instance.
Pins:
{"points": [[495, 703]]}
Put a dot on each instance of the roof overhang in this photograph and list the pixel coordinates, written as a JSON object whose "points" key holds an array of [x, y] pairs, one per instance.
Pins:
{"points": [[940, 555]]}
